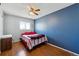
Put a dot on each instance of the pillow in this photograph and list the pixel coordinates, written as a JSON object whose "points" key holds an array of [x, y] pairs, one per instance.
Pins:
{"points": [[32, 35], [28, 33]]}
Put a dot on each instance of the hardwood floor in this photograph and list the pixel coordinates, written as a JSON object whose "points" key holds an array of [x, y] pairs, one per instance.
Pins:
{"points": [[18, 49]]}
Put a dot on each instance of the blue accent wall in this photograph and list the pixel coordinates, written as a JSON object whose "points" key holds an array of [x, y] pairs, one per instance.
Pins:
{"points": [[61, 27]]}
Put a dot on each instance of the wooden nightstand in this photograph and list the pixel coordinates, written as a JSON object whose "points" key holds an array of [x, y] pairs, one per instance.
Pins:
{"points": [[6, 42]]}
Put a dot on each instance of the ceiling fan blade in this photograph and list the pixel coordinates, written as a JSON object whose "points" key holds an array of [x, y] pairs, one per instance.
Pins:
{"points": [[35, 13], [37, 10], [32, 9]]}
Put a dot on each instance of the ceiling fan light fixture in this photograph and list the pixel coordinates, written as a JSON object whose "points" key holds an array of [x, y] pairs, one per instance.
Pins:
{"points": [[31, 13]]}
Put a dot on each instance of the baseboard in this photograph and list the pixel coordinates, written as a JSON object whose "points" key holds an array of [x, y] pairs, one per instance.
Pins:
{"points": [[75, 54], [15, 41]]}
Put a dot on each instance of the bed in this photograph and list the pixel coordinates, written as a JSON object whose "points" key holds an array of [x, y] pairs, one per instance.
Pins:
{"points": [[32, 39]]}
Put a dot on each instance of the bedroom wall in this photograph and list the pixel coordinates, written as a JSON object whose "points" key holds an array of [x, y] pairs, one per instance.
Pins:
{"points": [[1, 21], [11, 26], [61, 27]]}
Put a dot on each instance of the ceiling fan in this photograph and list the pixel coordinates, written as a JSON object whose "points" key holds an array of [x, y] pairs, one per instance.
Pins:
{"points": [[33, 10]]}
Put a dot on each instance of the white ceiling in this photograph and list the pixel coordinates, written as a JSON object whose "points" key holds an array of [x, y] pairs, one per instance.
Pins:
{"points": [[19, 9]]}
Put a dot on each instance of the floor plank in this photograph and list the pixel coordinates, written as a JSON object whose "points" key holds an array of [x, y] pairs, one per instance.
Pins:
{"points": [[18, 49]]}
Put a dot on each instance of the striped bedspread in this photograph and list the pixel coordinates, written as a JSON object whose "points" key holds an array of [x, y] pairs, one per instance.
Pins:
{"points": [[33, 42]]}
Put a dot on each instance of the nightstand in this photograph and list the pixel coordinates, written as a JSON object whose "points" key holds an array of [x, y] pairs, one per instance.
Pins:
{"points": [[6, 42]]}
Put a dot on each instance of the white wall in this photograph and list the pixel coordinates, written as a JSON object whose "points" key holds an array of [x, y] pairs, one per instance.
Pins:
{"points": [[1, 21], [11, 26]]}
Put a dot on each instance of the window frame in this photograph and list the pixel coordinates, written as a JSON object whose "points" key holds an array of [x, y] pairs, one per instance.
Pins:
{"points": [[25, 25]]}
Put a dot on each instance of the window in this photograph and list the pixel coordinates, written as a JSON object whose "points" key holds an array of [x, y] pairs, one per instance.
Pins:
{"points": [[24, 25]]}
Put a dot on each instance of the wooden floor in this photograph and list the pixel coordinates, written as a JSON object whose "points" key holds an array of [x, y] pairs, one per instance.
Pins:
{"points": [[18, 49]]}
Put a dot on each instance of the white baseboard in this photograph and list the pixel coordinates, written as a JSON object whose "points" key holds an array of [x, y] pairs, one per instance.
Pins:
{"points": [[14, 41], [75, 54]]}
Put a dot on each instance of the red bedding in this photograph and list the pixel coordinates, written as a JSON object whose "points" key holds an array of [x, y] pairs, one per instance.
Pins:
{"points": [[28, 33], [31, 39]]}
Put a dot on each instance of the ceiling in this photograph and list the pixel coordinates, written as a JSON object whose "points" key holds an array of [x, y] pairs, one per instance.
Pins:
{"points": [[19, 9]]}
